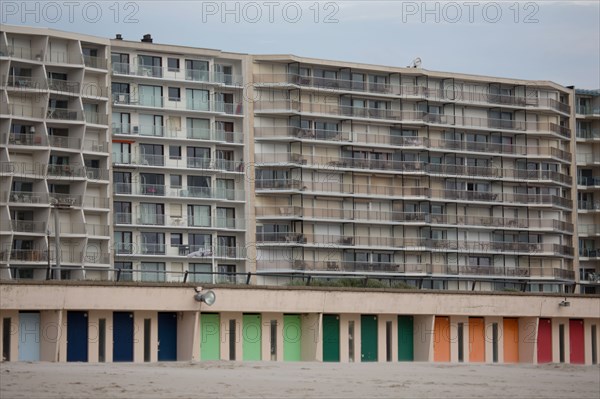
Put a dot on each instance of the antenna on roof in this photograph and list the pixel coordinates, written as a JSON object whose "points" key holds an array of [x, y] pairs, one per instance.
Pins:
{"points": [[416, 63]]}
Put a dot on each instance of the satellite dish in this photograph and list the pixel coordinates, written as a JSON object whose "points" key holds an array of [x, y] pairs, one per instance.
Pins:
{"points": [[416, 63]]}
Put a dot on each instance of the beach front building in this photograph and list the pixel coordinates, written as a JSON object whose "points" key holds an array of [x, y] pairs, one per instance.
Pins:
{"points": [[54, 155], [587, 112], [178, 150], [155, 169], [450, 181]]}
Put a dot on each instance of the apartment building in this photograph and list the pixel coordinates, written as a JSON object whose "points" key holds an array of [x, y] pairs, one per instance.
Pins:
{"points": [[178, 150], [54, 155], [587, 112], [439, 180], [451, 181]]}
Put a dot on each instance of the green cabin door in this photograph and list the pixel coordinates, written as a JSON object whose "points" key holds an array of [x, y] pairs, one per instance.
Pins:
{"points": [[368, 338], [292, 337], [405, 339], [210, 336], [331, 338], [251, 335]]}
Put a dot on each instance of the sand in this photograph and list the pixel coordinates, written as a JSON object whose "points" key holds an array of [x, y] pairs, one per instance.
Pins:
{"points": [[295, 380]]}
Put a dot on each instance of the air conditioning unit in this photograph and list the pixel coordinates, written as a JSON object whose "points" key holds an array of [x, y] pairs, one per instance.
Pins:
{"points": [[122, 98], [135, 129]]}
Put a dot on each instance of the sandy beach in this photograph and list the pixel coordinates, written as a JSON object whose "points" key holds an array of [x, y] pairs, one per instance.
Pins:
{"points": [[295, 380]]}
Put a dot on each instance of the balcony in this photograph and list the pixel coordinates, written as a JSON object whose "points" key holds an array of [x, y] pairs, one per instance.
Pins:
{"points": [[588, 205], [588, 230], [408, 91], [588, 134], [151, 219], [66, 171], [64, 114], [591, 253], [587, 110], [229, 223], [152, 160], [387, 139], [28, 226], [588, 159], [416, 117], [25, 139], [26, 82], [65, 86], [27, 197], [230, 252], [94, 62], [122, 218], [97, 230], [21, 110], [95, 118], [28, 255], [190, 75], [152, 249], [215, 135], [24, 53], [65, 199], [93, 202], [64, 142], [592, 181]]}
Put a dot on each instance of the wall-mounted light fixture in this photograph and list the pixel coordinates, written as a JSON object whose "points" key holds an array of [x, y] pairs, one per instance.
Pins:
{"points": [[564, 303], [208, 297]]}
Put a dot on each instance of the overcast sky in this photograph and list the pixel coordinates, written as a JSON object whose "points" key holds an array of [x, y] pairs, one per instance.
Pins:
{"points": [[546, 40]]}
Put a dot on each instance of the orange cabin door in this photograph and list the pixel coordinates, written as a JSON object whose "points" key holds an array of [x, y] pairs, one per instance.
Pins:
{"points": [[511, 340], [476, 339], [441, 339]]}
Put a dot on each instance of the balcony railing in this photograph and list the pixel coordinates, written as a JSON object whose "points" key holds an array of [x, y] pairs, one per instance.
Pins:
{"points": [[397, 191], [64, 142], [28, 255], [292, 106], [64, 114], [96, 118], [27, 139], [419, 142], [588, 205], [28, 197], [407, 91], [65, 199], [28, 226], [67, 86], [94, 62], [26, 82], [156, 219], [97, 229], [588, 229], [587, 110], [588, 134], [66, 170], [588, 181], [329, 163], [96, 202], [22, 110], [589, 253], [336, 266], [195, 75], [414, 243], [583, 159]]}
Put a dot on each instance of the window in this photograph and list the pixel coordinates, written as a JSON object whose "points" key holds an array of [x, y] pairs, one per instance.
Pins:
{"points": [[200, 242], [152, 184], [151, 214], [149, 66], [197, 99], [152, 154], [176, 239], [175, 181], [198, 157], [120, 93], [199, 186], [225, 218], [196, 70], [153, 243], [122, 212], [125, 271], [120, 63], [151, 125], [199, 215], [173, 64], [174, 152], [150, 96], [153, 271], [121, 123], [121, 153], [480, 261], [200, 273], [174, 94], [122, 182], [123, 243], [198, 129]]}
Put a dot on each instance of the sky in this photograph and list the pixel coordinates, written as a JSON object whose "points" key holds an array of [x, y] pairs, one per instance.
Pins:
{"points": [[542, 40]]}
